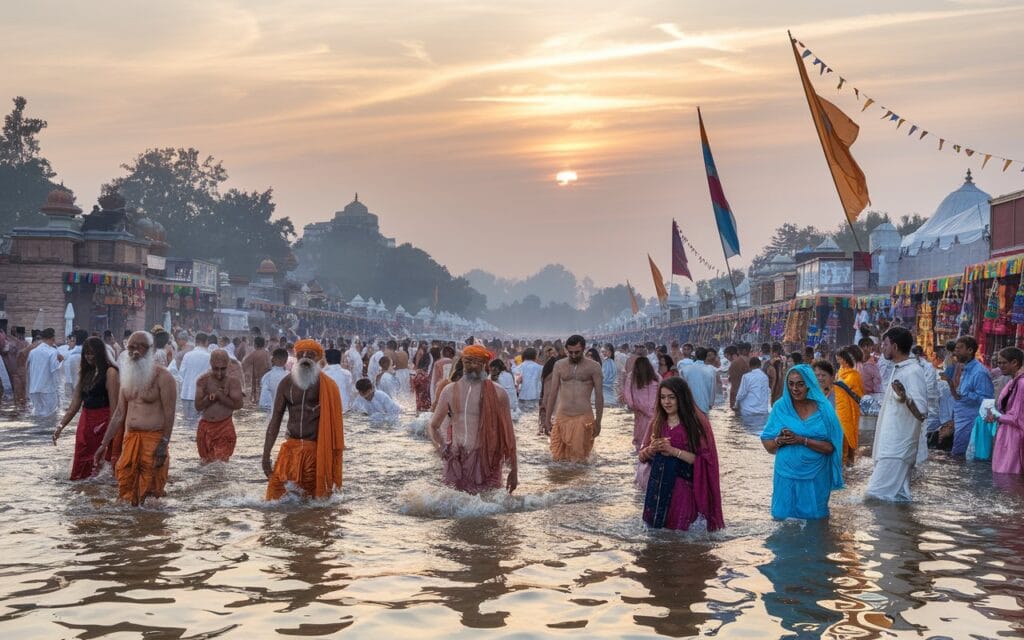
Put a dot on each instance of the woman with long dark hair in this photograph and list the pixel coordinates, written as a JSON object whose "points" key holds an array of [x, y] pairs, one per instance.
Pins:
{"points": [[96, 393], [545, 378], [422, 363], [641, 393], [680, 448]]}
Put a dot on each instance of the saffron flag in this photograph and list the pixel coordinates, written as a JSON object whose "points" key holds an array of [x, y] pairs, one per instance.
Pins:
{"points": [[632, 299], [659, 282], [723, 214], [837, 133], [679, 266]]}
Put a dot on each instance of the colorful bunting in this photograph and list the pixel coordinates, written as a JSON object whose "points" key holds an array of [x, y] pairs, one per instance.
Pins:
{"points": [[891, 116]]}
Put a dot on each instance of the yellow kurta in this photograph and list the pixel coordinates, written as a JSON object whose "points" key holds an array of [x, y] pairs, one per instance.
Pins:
{"points": [[848, 410]]}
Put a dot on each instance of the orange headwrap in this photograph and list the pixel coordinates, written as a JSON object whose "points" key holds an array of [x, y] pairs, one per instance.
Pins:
{"points": [[309, 345], [476, 352]]}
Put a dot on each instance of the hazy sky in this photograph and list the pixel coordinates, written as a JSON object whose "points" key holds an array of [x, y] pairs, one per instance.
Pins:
{"points": [[451, 118]]}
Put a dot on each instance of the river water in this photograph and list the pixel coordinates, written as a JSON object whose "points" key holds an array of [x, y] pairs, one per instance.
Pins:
{"points": [[567, 555]]}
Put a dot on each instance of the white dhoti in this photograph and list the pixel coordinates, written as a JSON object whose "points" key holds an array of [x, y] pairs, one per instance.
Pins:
{"points": [[5, 380], [890, 480], [404, 380], [44, 405]]}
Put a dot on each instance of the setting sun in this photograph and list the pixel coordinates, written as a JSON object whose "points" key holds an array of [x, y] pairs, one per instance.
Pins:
{"points": [[565, 178]]}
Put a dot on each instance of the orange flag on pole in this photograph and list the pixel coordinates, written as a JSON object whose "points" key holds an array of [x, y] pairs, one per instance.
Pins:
{"points": [[659, 283], [632, 299], [837, 133]]}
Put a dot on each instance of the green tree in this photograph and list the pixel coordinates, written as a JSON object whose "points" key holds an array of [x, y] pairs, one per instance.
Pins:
{"points": [[25, 175], [788, 238], [910, 223], [182, 191]]}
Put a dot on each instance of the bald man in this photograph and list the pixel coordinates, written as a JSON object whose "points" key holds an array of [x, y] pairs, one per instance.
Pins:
{"points": [[218, 396]]}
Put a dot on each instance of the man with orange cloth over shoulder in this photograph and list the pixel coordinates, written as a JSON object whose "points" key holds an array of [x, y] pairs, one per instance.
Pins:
{"points": [[310, 459], [480, 436]]}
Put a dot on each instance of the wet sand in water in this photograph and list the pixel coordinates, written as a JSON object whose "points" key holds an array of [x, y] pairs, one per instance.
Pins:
{"points": [[566, 555]]}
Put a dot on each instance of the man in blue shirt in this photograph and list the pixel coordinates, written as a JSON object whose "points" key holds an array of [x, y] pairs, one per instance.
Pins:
{"points": [[702, 378], [970, 385]]}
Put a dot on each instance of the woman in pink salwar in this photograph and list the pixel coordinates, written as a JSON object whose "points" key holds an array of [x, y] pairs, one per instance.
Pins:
{"points": [[1008, 450], [641, 394]]}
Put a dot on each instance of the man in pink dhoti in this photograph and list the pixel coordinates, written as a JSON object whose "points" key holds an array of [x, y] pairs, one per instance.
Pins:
{"points": [[480, 436]]}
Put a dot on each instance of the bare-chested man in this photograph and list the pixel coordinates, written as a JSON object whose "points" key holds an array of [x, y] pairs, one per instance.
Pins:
{"points": [[255, 365], [218, 396], [146, 410], [480, 436], [573, 381]]}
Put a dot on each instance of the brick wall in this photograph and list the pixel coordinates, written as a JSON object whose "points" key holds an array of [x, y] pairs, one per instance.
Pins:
{"points": [[31, 287]]}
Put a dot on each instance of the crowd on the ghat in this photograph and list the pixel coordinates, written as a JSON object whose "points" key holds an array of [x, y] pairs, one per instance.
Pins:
{"points": [[806, 407]]}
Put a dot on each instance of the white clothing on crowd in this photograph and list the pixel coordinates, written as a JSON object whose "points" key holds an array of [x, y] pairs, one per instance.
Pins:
{"points": [[389, 384], [268, 386], [381, 405], [898, 434], [508, 383], [5, 379], [529, 385], [374, 367], [72, 365], [355, 362], [343, 378], [195, 363], [702, 379], [754, 395], [43, 368]]}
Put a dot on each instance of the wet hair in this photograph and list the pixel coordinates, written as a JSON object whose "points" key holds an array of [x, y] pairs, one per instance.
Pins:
{"points": [[1012, 354], [385, 363], [967, 341], [332, 356], [160, 339], [279, 354], [47, 334], [86, 373], [777, 349], [731, 350], [797, 357], [81, 335], [575, 339], [854, 350], [529, 353], [201, 338], [392, 345], [611, 349], [904, 340], [498, 364], [549, 366], [825, 366], [685, 409], [755, 363], [666, 360], [594, 355], [448, 351], [700, 353], [917, 350], [643, 373], [865, 342], [259, 342], [363, 385]]}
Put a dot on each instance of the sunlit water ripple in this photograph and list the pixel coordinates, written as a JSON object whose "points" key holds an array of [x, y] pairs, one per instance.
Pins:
{"points": [[566, 555]]}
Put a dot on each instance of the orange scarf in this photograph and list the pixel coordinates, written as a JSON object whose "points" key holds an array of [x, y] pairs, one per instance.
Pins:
{"points": [[330, 439], [497, 436]]}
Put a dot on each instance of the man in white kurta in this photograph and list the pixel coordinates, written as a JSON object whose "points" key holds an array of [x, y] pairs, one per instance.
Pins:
{"points": [[72, 365], [354, 360], [195, 363], [900, 419], [529, 373], [272, 378], [376, 404], [43, 376], [342, 377], [5, 382]]}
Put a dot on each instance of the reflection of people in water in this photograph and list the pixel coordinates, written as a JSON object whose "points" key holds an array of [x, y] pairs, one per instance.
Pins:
{"points": [[676, 574], [478, 546], [802, 577]]}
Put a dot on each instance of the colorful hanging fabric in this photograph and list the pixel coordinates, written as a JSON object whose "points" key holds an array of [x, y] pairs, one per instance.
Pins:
{"points": [[1017, 315]]}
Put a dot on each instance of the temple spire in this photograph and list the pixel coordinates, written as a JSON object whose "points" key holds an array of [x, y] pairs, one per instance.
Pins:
{"points": [[968, 179]]}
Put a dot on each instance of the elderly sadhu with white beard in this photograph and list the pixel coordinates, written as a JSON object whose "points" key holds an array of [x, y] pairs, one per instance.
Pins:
{"points": [[311, 458], [479, 436], [146, 404]]}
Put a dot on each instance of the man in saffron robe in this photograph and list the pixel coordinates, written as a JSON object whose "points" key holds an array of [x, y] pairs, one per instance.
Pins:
{"points": [[146, 411], [218, 396], [480, 436], [575, 425], [311, 458]]}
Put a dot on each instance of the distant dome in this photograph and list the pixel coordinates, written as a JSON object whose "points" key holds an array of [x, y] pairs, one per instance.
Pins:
{"points": [[355, 208], [962, 215], [267, 267], [290, 263], [60, 202]]}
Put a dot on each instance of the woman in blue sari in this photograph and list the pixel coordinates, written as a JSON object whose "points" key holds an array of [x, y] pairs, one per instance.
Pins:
{"points": [[804, 434]]}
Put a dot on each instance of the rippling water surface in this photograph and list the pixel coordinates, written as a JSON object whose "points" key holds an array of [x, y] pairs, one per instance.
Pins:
{"points": [[566, 555]]}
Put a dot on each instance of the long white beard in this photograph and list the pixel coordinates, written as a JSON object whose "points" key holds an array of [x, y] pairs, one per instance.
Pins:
{"points": [[305, 373], [136, 375]]}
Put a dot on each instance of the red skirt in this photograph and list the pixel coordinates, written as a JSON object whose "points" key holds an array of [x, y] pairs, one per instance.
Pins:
{"points": [[92, 424]]}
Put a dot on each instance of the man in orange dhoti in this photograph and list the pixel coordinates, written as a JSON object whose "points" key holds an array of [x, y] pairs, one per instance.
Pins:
{"points": [[146, 411], [311, 458], [218, 396], [575, 425]]}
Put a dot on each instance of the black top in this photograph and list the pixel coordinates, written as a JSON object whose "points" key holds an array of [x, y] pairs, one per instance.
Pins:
{"points": [[96, 397]]}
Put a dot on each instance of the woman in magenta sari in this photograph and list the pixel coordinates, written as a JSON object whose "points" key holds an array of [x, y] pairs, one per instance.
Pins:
{"points": [[1008, 451], [680, 447]]}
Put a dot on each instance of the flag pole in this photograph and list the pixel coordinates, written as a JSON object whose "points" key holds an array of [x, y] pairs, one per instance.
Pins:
{"points": [[834, 182], [728, 272]]}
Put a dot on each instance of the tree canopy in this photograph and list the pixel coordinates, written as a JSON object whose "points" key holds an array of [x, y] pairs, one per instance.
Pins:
{"points": [[25, 175], [182, 191]]}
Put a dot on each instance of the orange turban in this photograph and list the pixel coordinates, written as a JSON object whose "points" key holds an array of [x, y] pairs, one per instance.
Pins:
{"points": [[309, 345], [476, 352]]}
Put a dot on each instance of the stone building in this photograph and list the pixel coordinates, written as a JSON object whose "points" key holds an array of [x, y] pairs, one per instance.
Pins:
{"points": [[354, 217]]}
